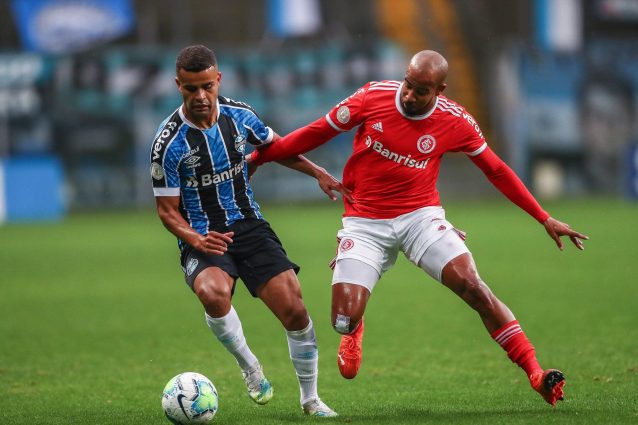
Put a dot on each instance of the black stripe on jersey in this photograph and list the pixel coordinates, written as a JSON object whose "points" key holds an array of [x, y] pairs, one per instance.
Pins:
{"points": [[208, 197], [229, 133], [165, 136], [228, 101]]}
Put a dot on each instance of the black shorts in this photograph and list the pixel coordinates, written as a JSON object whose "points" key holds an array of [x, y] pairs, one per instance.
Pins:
{"points": [[255, 256]]}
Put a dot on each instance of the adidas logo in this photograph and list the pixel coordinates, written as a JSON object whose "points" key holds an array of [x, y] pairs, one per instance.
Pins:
{"points": [[378, 127]]}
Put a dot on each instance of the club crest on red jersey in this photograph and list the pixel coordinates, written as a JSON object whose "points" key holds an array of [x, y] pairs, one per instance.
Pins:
{"points": [[426, 143]]}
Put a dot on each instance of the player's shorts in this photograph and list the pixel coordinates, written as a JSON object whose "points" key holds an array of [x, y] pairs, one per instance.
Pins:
{"points": [[425, 237], [255, 256]]}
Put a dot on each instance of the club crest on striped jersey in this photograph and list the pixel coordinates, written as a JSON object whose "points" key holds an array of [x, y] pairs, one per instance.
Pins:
{"points": [[426, 143], [240, 143], [343, 114]]}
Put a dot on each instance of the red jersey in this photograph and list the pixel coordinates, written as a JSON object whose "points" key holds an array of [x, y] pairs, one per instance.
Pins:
{"points": [[396, 158], [395, 161]]}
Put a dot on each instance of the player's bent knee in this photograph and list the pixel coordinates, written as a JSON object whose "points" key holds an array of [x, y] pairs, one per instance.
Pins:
{"points": [[345, 324], [211, 296]]}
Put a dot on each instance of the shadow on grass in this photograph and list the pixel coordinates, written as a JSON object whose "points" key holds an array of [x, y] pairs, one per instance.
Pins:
{"points": [[414, 415]]}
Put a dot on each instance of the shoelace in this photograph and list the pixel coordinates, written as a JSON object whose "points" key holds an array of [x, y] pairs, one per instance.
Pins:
{"points": [[253, 378], [351, 349]]}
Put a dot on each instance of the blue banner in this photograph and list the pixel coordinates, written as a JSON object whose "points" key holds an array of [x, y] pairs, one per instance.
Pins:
{"points": [[66, 26]]}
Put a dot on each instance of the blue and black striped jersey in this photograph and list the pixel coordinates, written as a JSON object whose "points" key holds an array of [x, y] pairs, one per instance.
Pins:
{"points": [[206, 167]]}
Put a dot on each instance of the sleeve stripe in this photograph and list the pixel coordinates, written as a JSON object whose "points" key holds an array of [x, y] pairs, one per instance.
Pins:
{"points": [[166, 191], [271, 135], [478, 151], [332, 124]]}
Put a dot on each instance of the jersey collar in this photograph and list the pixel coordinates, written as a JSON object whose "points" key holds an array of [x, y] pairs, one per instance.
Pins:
{"points": [[190, 124], [397, 101]]}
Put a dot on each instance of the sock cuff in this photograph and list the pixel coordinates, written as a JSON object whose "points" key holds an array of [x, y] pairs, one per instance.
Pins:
{"points": [[301, 334], [216, 320], [506, 332]]}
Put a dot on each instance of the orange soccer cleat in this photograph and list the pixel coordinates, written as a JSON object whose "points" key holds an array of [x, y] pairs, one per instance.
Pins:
{"points": [[350, 352], [549, 384]]}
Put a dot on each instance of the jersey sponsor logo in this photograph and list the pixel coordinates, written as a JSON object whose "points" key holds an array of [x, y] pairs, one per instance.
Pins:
{"points": [[406, 161], [343, 114], [162, 138], [473, 123], [208, 179], [157, 171], [378, 126], [426, 143], [346, 245], [192, 161]]}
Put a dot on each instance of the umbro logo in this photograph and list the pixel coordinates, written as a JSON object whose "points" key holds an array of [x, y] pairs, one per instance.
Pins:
{"points": [[378, 126]]}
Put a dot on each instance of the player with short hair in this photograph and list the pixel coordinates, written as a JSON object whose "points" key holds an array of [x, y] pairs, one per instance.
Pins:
{"points": [[404, 128], [203, 196]]}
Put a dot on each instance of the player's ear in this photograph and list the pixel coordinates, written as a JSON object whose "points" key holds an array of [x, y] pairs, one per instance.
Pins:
{"points": [[440, 88], [177, 82]]}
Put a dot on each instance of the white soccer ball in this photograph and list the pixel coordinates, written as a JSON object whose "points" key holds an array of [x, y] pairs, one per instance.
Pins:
{"points": [[190, 398]]}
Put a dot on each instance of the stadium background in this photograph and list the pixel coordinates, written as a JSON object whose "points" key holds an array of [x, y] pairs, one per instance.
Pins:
{"points": [[552, 83], [94, 315]]}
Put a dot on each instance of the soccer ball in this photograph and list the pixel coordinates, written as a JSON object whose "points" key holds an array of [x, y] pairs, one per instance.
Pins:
{"points": [[190, 398]]}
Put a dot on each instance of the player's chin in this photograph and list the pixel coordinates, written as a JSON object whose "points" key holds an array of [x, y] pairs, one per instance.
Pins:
{"points": [[201, 112], [410, 109]]}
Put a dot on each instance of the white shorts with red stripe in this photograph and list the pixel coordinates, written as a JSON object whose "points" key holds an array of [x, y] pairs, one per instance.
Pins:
{"points": [[425, 237]]}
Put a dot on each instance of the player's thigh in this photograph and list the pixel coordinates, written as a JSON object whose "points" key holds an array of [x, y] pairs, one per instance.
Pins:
{"points": [[368, 241], [351, 271], [261, 258], [420, 229], [208, 275], [441, 252]]}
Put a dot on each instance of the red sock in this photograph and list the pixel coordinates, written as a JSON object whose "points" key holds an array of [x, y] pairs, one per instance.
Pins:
{"points": [[513, 340]]}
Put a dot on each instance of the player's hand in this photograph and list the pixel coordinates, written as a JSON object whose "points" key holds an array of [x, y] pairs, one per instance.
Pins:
{"points": [[252, 166], [555, 229], [215, 243], [329, 185]]}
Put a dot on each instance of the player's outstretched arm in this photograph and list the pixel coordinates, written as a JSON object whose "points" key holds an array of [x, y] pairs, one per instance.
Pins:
{"points": [[300, 141], [555, 229], [505, 180], [327, 182]]}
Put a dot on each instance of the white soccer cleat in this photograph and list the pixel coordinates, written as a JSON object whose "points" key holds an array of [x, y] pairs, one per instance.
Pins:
{"points": [[318, 408], [259, 389]]}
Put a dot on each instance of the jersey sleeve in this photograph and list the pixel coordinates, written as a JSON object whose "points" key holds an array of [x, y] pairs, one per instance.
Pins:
{"points": [[258, 132], [469, 137], [505, 180], [348, 113], [165, 158]]}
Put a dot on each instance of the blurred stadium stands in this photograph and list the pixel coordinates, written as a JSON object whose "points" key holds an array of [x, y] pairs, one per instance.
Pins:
{"points": [[563, 117]]}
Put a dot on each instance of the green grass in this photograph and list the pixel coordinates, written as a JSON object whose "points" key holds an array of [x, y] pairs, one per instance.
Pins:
{"points": [[95, 318]]}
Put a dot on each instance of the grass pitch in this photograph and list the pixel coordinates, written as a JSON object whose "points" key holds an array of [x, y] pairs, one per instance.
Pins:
{"points": [[96, 318]]}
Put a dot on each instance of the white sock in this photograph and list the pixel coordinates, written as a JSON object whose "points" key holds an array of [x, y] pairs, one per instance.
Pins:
{"points": [[305, 357], [229, 332]]}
